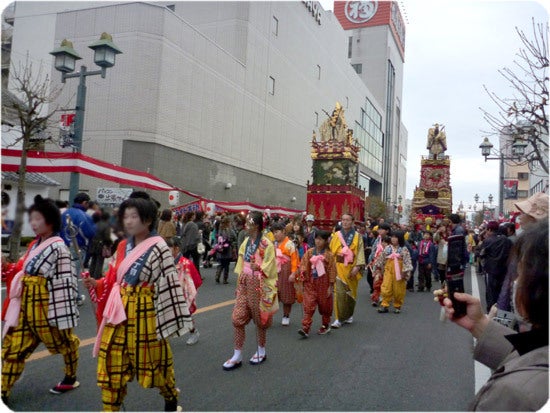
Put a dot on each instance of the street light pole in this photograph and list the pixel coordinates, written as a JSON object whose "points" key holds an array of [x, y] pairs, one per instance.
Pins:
{"points": [[65, 58], [80, 109]]}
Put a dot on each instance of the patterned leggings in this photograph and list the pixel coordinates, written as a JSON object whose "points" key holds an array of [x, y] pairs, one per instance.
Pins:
{"points": [[132, 349], [247, 307], [33, 328]]}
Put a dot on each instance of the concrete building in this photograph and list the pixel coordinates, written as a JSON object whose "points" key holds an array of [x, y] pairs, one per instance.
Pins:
{"points": [[208, 94]]}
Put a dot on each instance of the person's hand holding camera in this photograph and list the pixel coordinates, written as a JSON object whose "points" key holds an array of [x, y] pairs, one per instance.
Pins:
{"points": [[475, 321]]}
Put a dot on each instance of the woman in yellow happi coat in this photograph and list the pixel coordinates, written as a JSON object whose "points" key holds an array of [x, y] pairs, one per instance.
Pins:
{"points": [[347, 247]]}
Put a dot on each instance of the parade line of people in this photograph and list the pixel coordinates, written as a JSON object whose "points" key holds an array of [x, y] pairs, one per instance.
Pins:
{"points": [[147, 293]]}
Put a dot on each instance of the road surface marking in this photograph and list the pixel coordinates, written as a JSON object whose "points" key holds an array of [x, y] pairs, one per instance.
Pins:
{"points": [[482, 372], [88, 341]]}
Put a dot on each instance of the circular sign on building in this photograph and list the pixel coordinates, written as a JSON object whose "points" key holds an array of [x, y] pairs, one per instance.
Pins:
{"points": [[360, 11]]}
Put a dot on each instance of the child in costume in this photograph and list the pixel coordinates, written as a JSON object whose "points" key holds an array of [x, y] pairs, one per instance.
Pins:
{"points": [[143, 306], [42, 302], [396, 263], [256, 291], [287, 266], [190, 280], [318, 274]]}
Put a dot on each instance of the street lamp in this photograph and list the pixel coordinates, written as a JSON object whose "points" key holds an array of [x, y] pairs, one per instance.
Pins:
{"points": [[518, 151], [65, 62]]}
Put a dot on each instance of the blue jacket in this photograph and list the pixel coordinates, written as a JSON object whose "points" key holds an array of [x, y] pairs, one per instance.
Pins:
{"points": [[430, 257], [84, 224]]}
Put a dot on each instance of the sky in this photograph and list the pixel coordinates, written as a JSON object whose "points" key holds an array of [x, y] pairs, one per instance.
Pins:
{"points": [[453, 49]]}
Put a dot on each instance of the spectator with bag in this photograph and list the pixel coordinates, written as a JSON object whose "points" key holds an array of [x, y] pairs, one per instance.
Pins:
{"points": [[223, 249], [190, 238]]}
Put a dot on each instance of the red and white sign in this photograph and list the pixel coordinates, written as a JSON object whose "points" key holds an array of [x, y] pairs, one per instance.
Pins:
{"points": [[67, 120], [358, 14]]}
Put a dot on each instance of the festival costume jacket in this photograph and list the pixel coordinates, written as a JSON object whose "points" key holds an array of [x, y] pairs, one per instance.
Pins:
{"points": [[306, 267], [53, 264], [356, 246], [265, 255], [172, 311]]}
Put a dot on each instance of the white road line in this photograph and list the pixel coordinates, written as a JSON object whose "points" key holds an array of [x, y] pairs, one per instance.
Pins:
{"points": [[482, 372]]}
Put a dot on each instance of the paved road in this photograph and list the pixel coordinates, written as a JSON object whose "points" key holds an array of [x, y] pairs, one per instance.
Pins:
{"points": [[388, 362]]}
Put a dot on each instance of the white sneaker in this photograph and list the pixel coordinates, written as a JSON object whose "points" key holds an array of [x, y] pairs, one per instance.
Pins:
{"points": [[336, 324], [80, 300], [285, 321], [349, 320], [193, 338]]}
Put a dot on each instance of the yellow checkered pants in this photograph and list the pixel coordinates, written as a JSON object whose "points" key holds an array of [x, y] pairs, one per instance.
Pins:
{"points": [[32, 329], [132, 349]]}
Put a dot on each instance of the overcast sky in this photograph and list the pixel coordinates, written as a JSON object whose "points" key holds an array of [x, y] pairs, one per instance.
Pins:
{"points": [[452, 49]]}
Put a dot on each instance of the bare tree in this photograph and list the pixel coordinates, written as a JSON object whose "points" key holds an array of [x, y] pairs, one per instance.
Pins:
{"points": [[34, 94], [525, 113]]}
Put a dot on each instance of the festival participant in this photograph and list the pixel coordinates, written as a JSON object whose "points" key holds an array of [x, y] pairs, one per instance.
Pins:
{"points": [[42, 302], [377, 248], [397, 266], [256, 290], [347, 246], [142, 307], [318, 275], [288, 262], [190, 280]]}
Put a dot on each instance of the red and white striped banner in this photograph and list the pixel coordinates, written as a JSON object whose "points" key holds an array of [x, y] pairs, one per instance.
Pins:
{"points": [[76, 162]]}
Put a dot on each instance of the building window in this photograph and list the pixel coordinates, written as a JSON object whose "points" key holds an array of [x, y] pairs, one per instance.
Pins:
{"points": [[350, 43], [523, 176], [316, 118], [358, 67], [523, 194], [271, 85], [318, 72], [275, 26]]}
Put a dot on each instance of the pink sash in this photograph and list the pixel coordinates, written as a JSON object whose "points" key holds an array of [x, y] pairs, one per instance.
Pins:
{"points": [[114, 309], [14, 307], [317, 262], [395, 256], [346, 252], [281, 259]]}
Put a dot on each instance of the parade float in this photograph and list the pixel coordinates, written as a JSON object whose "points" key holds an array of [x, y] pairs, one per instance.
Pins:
{"points": [[432, 200], [334, 189]]}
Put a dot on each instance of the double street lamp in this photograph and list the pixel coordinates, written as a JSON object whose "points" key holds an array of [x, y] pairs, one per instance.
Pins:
{"points": [[105, 52], [518, 150]]}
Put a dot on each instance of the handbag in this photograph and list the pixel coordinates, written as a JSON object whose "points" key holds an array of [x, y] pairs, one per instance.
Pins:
{"points": [[201, 248]]}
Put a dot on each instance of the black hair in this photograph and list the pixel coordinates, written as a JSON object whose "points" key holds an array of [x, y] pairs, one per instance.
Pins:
{"points": [[454, 218], [384, 225], [278, 226], [531, 252], [81, 197], [400, 235], [166, 215], [146, 208], [257, 218], [49, 211], [322, 234], [386, 239]]}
